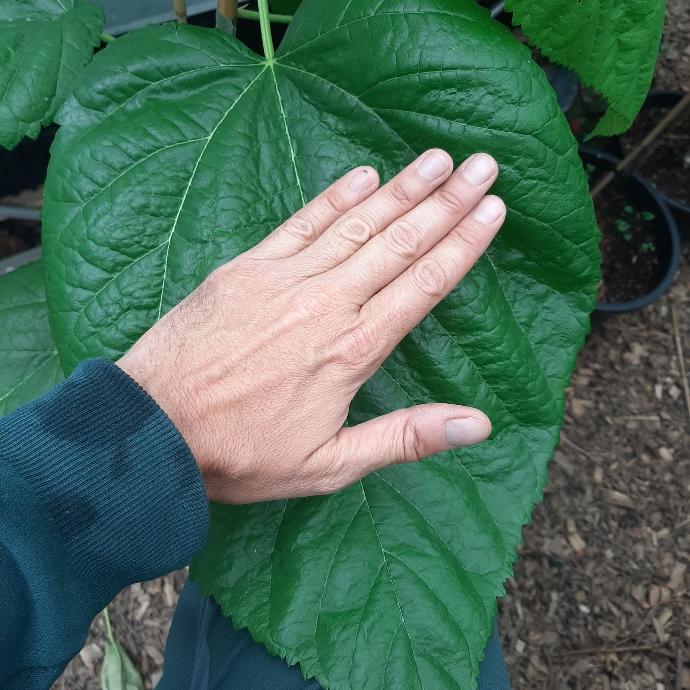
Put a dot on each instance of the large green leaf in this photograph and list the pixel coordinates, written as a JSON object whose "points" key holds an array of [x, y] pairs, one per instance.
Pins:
{"points": [[28, 357], [43, 46], [183, 149], [612, 45]]}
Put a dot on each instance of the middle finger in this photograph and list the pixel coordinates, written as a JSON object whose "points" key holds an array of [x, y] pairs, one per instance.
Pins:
{"points": [[391, 252], [356, 227]]}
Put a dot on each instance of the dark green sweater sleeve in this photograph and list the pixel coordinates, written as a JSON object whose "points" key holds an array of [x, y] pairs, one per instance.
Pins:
{"points": [[97, 490]]}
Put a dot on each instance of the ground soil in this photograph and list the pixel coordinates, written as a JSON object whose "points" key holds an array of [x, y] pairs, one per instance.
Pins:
{"points": [[673, 66], [601, 597]]}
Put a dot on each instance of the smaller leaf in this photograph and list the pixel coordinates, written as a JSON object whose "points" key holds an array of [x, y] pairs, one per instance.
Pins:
{"points": [[118, 672], [28, 357], [43, 46], [612, 46]]}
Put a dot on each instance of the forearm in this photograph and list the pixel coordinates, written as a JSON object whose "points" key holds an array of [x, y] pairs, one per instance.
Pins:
{"points": [[97, 490]]}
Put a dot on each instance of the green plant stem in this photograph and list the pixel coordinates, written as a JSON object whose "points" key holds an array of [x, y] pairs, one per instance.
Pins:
{"points": [[108, 627], [106, 38], [265, 23], [273, 18]]}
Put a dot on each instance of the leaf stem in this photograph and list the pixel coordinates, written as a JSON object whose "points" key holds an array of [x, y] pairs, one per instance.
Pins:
{"points": [[243, 13], [265, 22], [106, 38], [108, 627]]}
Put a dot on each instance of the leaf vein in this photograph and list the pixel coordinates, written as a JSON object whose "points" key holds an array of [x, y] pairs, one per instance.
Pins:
{"points": [[287, 134], [392, 581]]}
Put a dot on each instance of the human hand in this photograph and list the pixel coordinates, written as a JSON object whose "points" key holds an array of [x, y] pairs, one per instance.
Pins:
{"points": [[258, 366]]}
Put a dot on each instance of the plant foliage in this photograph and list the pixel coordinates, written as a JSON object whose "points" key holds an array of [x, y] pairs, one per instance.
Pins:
{"points": [[612, 45], [182, 148], [28, 354], [43, 46]]}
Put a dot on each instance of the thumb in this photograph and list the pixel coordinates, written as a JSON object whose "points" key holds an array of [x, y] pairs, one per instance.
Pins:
{"points": [[402, 436]]}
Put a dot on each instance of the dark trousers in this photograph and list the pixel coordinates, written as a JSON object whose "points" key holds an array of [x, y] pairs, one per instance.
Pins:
{"points": [[204, 652]]}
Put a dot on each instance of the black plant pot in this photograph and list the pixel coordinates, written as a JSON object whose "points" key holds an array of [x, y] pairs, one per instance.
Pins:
{"points": [[666, 100], [667, 239]]}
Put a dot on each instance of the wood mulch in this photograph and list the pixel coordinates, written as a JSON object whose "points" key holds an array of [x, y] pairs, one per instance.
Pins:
{"points": [[600, 599], [673, 66]]}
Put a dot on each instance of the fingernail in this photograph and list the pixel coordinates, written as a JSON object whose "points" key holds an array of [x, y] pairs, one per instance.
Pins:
{"points": [[433, 165], [478, 168], [361, 181], [465, 431], [489, 210]]}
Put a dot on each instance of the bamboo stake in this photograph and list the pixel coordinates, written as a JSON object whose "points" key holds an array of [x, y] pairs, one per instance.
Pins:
{"points": [[681, 357], [226, 16], [661, 126], [180, 7]]}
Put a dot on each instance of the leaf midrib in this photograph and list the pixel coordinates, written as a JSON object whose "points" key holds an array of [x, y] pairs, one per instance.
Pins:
{"points": [[392, 581], [287, 133], [191, 179]]}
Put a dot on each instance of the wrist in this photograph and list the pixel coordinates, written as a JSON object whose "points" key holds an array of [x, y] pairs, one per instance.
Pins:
{"points": [[165, 392]]}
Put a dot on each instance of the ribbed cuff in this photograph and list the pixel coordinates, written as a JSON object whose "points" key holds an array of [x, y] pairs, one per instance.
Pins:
{"points": [[115, 476]]}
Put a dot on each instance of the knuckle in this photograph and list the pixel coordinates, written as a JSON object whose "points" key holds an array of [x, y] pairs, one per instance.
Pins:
{"points": [[404, 239], [401, 193], [469, 238], [328, 470], [302, 228], [357, 229], [431, 278], [410, 440], [450, 200], [308, 305], [357, 348], [334, 202]]}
